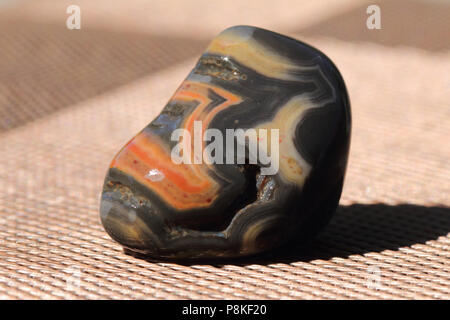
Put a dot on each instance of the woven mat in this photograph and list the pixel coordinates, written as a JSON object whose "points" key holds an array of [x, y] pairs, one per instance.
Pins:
{"points": [[70, 99]]}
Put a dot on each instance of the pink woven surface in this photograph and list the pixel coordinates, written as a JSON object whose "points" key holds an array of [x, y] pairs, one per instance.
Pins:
{"points": [[70, 99]]}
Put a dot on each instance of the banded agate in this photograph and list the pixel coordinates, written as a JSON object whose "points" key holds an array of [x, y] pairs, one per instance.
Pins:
{"points": [[247, 78]]}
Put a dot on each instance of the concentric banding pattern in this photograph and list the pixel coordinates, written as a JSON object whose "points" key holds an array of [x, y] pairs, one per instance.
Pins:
{"points": [[248, 78]]}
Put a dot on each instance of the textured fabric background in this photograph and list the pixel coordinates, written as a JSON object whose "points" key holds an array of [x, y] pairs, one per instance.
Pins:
{"points": [[69, 99]]}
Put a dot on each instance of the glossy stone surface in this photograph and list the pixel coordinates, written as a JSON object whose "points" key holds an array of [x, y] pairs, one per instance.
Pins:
{"points": [[247, 78]]}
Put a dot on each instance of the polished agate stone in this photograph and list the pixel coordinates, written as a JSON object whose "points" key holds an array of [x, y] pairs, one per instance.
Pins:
{"points": [[248, 78]]}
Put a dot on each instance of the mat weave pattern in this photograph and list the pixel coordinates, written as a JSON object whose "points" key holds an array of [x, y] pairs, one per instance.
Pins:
{"points": [[70, 99]]}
